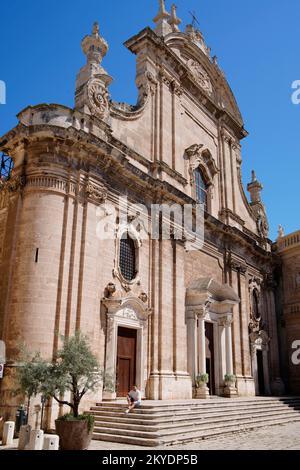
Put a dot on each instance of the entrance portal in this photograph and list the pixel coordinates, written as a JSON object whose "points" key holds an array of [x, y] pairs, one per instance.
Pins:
{"points": [[210, 360], [126, 360]]}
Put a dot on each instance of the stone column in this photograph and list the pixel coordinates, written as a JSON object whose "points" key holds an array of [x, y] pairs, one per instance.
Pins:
{"points": [[110, 359], [192, 344], [202, 391], [201, 345], [230, 388], [228, 340]]}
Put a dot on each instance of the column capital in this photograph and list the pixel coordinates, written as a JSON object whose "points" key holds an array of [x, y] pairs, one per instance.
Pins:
{"points": [[226, 321]]}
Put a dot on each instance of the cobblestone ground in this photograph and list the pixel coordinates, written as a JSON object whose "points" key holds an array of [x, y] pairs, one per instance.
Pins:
{"points": [[285, 437]]}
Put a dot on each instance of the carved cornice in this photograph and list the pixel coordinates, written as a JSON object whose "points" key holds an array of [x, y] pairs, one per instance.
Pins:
{"points": [[90, 191], [237, 265], [229, 213]]}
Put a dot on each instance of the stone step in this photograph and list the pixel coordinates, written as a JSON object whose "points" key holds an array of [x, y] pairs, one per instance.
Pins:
{"points": [[139, 419], [196, 427], [186, 437], [191, 403], [146, 410], [161, 414], [158, 425], [214, 432]]}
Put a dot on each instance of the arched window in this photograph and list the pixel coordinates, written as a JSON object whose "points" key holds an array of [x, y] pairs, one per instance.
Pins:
{"points": [[201, 188], [127, 260]]}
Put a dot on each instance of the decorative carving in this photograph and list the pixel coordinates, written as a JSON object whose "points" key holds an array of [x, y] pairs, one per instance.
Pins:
{"points": [[198, 155], [238, 266], [195, 36], [144, 297], [262, 222], [226, 321], [200, 75], [110, 289], [96, 193], [280, 231], [127, 313], [98, 98], [12, 184]]}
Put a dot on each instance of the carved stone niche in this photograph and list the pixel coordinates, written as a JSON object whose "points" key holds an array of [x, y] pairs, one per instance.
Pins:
{"points": [[200, 156]]}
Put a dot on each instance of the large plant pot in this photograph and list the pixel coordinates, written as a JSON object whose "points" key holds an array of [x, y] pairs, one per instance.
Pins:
{"points": [[73, 435]]}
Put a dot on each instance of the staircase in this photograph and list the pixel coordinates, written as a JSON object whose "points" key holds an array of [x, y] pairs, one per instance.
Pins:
{"points": [[171, 422]]}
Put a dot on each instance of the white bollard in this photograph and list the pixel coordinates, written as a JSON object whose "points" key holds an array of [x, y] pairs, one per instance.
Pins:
{"points": [[51, 442], [8, 433], [24, 436], [36, 440]]}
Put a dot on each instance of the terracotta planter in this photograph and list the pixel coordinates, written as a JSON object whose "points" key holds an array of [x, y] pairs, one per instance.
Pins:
{"points": [[73, 435]]}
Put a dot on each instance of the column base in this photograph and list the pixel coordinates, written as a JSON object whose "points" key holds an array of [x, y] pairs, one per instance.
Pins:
{"points": [[202, 392], [169, 387], [230, 391]]}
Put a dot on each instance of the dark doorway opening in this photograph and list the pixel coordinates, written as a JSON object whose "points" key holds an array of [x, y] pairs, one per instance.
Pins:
{"points": [[260, 372], [126, 360], [210, 357]]}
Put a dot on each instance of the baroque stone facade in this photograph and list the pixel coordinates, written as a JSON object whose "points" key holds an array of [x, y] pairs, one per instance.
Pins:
{"points": [[187, 312]]}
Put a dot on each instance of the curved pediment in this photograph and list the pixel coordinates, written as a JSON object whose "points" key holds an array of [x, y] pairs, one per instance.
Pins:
{"points": [[213, 290], [204, 71]]}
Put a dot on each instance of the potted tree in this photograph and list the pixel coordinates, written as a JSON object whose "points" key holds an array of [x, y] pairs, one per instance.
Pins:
{"points": [[201, 382], [74, 373]]}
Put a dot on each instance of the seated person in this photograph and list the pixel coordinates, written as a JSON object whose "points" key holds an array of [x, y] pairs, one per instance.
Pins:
{"points": [[134, 399]]}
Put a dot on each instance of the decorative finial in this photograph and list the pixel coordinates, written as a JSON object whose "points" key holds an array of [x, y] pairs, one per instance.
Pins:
{"points": [[162, 27], [96, 29], [94, 46], [91, 96], [174, 21], [280, 231], [254, 188]]}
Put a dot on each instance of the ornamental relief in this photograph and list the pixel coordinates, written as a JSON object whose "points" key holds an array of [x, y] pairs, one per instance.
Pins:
{"points": [[98, 98], [200, 75]]}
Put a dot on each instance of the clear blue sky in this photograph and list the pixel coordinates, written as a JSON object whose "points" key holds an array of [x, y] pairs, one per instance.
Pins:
{"points": [[256, 41]]}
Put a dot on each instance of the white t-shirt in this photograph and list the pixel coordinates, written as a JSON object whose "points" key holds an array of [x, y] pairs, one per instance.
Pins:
{"points": [[135, 395]]}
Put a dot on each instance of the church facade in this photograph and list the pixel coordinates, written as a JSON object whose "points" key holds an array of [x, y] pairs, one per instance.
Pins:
{"points": [[159, 311]]}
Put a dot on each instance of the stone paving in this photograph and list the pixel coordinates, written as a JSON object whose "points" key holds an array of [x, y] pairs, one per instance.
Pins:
{"points": [[285, 437]]}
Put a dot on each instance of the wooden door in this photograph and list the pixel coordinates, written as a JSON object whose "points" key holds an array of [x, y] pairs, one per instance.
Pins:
{"points": [[126, 360], [210, 359]]}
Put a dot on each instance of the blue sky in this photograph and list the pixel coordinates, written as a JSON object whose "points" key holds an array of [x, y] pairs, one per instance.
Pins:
{"points": [[256, 42]]}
